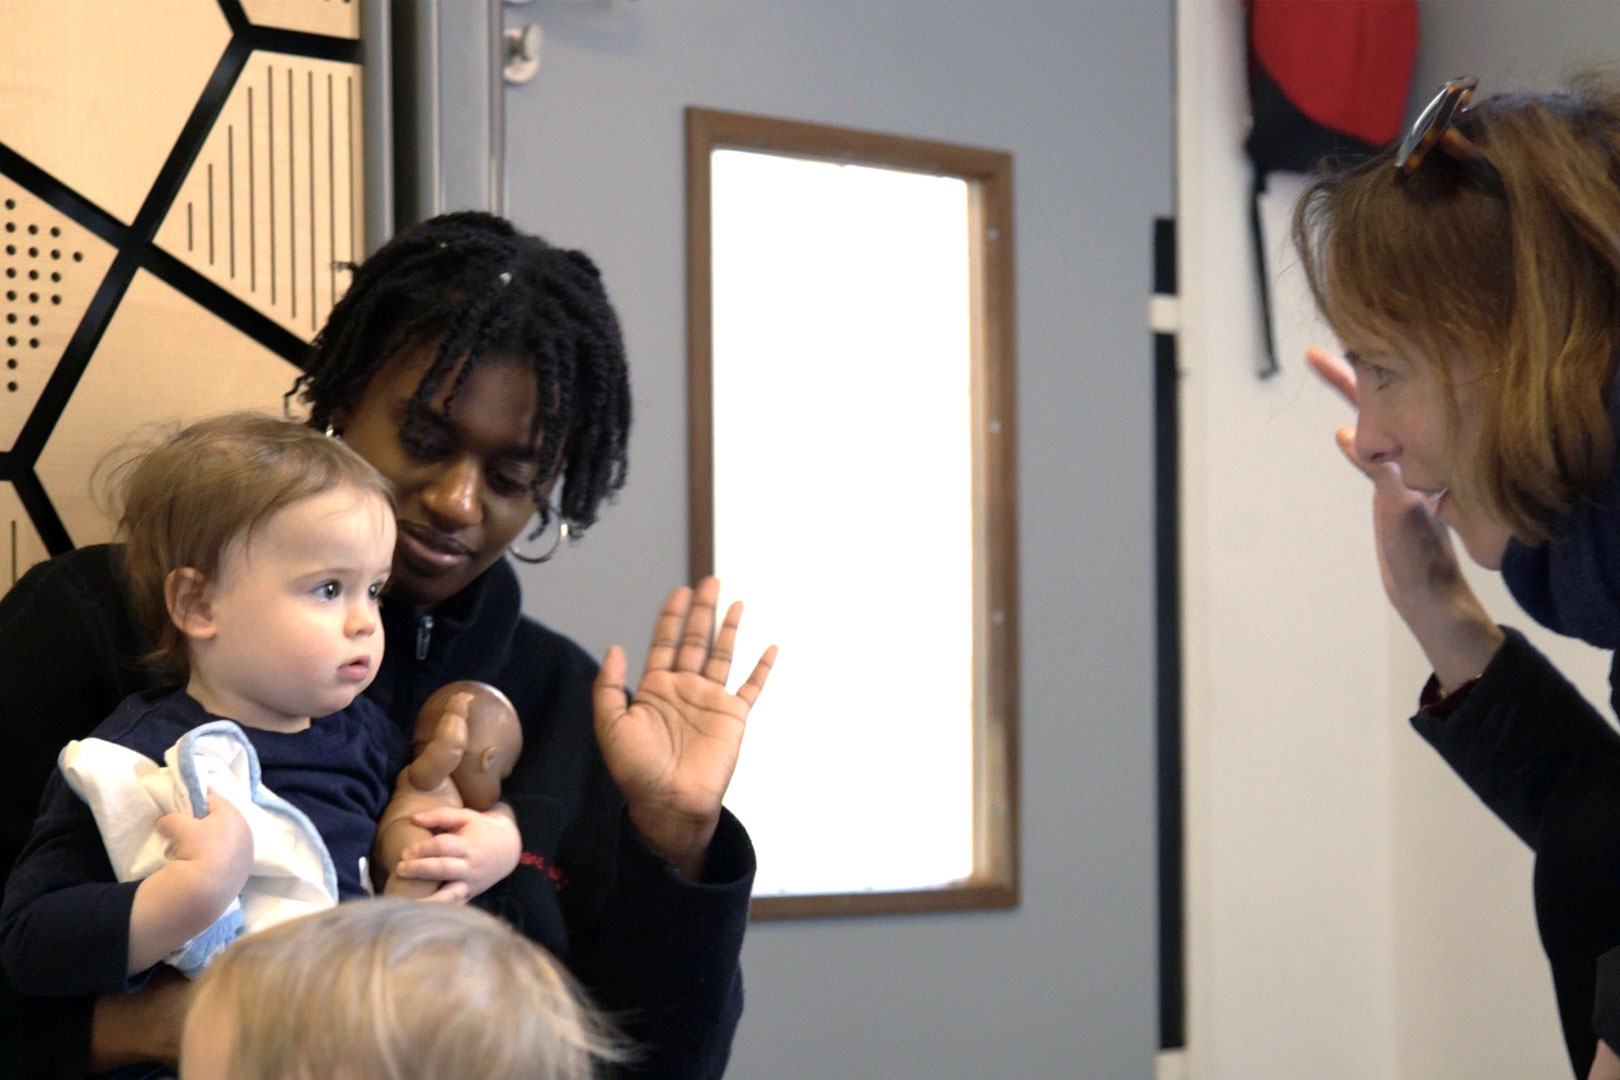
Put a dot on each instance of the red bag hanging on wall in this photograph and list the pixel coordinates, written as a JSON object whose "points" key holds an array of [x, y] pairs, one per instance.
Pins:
{"points": [[1325, 77]]}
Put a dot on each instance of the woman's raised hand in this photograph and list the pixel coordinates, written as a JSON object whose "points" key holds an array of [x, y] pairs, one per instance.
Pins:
{"points": [[1421, 575], [672, 746]]}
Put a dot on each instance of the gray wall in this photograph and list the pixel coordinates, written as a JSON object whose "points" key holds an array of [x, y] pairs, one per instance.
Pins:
{"points": [[1079, 92], [1512, 44]]}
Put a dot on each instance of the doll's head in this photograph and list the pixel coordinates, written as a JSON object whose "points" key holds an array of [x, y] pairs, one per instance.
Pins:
{"points": [[494, 739], [390, 990]]}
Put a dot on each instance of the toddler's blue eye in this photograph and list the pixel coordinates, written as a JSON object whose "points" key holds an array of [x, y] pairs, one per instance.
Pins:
{"points": [[327, 590]]}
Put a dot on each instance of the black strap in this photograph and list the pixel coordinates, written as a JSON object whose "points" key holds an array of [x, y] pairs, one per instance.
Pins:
{"points": [[1270, 366]]}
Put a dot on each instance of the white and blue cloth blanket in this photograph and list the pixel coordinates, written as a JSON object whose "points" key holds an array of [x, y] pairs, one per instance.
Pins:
{"points": [[127, 792]]}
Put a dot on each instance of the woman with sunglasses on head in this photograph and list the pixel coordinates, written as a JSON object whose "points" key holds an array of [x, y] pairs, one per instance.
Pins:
{"points": [[482, 372], [1472, 275]]}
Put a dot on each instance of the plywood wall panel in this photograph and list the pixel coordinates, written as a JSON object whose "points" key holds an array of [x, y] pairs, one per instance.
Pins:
{"points": [[20, 545], [335, 18], [50, 268], [163, 360], [96, 92], [180, 198], [271, 208]]}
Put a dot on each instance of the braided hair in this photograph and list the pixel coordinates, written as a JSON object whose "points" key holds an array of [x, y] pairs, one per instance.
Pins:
{"points": [[477, 286]]}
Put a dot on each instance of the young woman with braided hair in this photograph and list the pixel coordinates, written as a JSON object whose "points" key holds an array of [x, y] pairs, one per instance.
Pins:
{"points": [[482, 372]]}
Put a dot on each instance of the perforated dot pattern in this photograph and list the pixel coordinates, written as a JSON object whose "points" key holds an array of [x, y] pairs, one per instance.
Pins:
{"points": [[35, 263]]}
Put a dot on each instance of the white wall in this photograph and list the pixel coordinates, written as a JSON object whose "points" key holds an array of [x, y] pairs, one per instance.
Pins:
{"points": [[1286, 639], [1354, 911], [1079, 92]]}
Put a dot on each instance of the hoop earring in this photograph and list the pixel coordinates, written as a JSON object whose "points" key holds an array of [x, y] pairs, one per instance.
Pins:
{"points": [[546, 541]]}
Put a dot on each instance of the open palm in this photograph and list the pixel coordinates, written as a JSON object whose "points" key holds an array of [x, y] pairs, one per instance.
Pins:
{"points": [[672, 746]]}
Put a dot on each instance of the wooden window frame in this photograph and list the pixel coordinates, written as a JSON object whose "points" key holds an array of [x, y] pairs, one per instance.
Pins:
{"points": [[994, 882]]}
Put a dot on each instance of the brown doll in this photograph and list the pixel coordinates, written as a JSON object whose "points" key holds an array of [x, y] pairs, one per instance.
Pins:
{"points": [[467, 740]]}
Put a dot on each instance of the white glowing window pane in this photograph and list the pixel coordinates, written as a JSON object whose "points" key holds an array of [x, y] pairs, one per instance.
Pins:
{"points": [[842, 513]]}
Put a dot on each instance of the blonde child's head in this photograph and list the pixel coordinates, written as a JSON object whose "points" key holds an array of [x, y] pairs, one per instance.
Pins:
{"points": [[186, 499], [390, 990]]}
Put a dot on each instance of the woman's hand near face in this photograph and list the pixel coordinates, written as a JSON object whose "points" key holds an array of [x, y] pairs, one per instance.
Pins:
{"points": [[1415, 557], [673, 746]]}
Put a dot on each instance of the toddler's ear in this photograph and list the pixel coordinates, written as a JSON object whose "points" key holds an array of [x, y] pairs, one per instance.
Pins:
{"points": [[187, 593]]}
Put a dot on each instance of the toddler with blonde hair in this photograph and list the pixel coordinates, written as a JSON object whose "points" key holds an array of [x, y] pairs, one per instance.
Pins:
{"points": [[245, 788], [391, 990]]}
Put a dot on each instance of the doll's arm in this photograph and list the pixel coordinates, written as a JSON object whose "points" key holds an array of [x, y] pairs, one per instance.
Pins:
{"points": [[439, 758], [423, 785]]}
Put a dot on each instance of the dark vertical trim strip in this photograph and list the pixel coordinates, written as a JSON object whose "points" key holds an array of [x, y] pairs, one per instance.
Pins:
{"points": [[1167, 565], [292, 202], [270, 167], [354, 184], [191, 226], [253, 203], [1164, 257], [210, 213], [331, 188], [230, 191], [309, 105]]}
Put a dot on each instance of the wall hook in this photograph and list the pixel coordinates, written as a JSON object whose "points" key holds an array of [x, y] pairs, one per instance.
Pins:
{"points": [[522, 53]]}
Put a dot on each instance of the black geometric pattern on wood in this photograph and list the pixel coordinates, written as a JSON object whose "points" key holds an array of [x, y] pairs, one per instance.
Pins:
{"points": [[136, 250]]}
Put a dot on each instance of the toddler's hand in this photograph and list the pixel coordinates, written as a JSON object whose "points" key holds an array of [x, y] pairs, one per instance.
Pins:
{"points": [[220, 844], [210, 860], [469, 851]]}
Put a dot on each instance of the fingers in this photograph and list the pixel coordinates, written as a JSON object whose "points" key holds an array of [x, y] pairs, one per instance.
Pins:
{"points": [[749, 691], [699, 629], [169, 825], [451, 892], [433, 868], [684, 639], [1385, 475], [667, 630], [1345, 436], [1333, 370], [440, 819], [718, 666], [609, 698]]}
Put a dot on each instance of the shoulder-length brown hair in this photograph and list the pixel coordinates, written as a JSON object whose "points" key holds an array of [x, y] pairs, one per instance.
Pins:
{"points": [[1510, 264]]}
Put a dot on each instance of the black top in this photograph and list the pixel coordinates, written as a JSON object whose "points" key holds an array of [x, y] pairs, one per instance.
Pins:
{"points": [[658, 952], [64, 928], [1546, 762]]}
